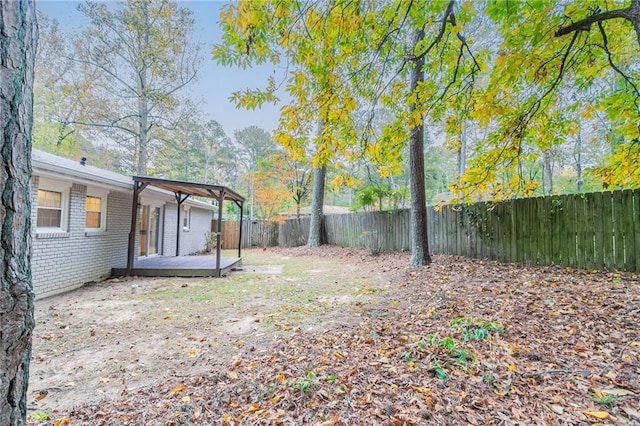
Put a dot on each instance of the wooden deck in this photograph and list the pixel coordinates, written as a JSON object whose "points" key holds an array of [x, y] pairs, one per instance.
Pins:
{"points": [[180, 266]]}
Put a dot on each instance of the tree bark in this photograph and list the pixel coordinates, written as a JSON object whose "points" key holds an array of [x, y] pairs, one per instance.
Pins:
{"points": [[419, 243], [547, 175], [317, 201], [18, 45]]}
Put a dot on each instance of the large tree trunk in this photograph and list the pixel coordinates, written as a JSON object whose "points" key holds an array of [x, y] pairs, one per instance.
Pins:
{"points": [[419, 244], [317, 203], [317, 200], [18, 46]]}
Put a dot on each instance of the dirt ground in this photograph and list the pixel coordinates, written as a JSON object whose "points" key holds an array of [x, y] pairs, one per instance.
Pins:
{"points": [[338, 336], [114, 337]]}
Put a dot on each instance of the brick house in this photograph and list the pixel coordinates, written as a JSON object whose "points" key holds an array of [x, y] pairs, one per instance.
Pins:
{"points": [[81, 218]]}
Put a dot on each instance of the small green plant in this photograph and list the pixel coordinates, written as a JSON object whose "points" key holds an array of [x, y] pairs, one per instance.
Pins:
{"points": [[439, 370], [475, 329], [41, 416], [606, 399], [303, 383], [406, 356], [448, 344]]}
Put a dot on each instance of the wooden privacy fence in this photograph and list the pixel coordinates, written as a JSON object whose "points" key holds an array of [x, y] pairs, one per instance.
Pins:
{"points": [[598, 230], [254, 234]]}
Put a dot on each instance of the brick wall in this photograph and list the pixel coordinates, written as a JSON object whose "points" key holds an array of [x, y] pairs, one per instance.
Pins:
{"points": [[64, 261]]}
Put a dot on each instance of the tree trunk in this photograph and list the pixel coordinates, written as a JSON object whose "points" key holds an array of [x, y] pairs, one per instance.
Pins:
{"points": [[578, 157], [18, 46], [462, 153], [419, 244], [317, 203], [547, 169]]}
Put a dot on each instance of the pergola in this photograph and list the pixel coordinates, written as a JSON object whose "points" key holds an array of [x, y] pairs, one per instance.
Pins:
{"points": [[182, 190]]}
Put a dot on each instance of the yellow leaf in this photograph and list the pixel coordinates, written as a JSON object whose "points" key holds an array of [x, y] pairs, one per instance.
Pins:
{"points": [[513, 368], [62, 421], [275, 399], [226, 418], [254, 407], [233, 374], [422, 390], [177, 389], [193, 352], [338, 354], [597, 414]]}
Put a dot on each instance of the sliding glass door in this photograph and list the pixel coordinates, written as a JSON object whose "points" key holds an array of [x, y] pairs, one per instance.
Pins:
{"points": [[149, 230]]}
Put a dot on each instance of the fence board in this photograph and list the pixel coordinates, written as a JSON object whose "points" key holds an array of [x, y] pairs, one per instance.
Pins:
{"points": [[630, 253], [636, 229], [607, 228]]}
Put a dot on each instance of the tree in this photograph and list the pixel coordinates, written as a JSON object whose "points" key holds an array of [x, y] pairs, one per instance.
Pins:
{"points": [[309, 37], [342, 54], [295, 175], [253, 144], [18, 45], [132, 62], [552, 54]]}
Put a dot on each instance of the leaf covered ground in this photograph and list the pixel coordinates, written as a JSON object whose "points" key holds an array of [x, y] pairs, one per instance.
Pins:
{"points": [[342, 337]]}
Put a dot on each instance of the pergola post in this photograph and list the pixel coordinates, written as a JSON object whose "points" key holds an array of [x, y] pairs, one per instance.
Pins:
{"points": [[219, 231], [137, 189], [241, 205], [180, 199]]}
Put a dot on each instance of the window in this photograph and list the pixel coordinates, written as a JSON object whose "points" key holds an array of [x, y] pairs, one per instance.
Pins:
{"points": [[49, 209], [95, 210], [52, 206], [186, 218]]}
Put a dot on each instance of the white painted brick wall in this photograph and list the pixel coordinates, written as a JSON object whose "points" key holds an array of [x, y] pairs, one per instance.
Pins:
{"points": [[63, 262], [194, 240]]}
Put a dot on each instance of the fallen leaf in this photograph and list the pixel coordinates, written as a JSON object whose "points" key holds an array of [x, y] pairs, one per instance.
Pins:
{"points": [[233, 374], [422, 390], [596, 414], [186, 399], [558, 409], [177, 389], [616, 392], [62, 421]]}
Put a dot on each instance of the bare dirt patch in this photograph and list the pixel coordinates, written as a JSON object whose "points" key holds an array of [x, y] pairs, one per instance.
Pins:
{"points": [[111, 338], [343, 337]]}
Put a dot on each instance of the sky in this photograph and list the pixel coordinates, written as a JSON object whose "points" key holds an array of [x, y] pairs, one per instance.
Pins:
{"points": [[215, 83]]}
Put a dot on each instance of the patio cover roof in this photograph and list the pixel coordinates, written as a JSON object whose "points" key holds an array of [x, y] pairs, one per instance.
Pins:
{"points": [[191, 188], [182, 190]]}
